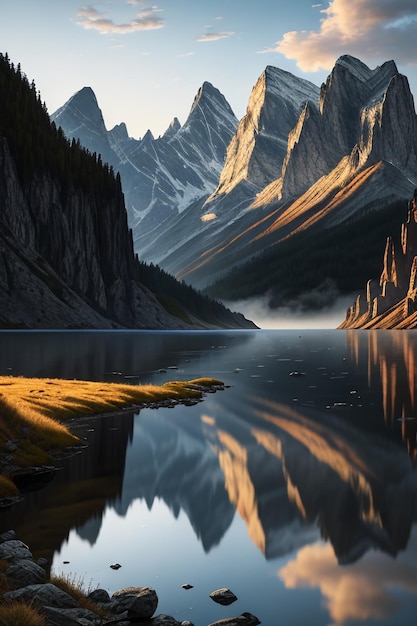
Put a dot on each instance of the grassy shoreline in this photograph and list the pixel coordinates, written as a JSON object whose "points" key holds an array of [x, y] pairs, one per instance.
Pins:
{"points": [[34, 412]]}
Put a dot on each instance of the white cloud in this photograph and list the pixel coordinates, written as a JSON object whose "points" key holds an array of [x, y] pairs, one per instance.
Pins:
{"points": [[375, 29], [214, 36], [147, 19]]}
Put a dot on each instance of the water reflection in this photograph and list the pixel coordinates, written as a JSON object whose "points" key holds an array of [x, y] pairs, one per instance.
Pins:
{"points": [[87, 484], [358, 593], [391, 360], [320, 466]]}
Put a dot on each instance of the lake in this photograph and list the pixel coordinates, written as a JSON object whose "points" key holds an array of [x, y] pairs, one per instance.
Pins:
{"points": [[295, 486]]}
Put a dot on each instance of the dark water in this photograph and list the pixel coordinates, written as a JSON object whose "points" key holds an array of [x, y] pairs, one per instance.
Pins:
{"points": [[295, 487]]}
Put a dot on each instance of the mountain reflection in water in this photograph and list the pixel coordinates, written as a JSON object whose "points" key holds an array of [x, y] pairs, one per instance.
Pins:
{"points": [[312, 447]]}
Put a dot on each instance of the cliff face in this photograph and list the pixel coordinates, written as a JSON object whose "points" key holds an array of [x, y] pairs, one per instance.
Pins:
{"points": [[391, 302], [365, 115], [66, 260], [258, 148]]}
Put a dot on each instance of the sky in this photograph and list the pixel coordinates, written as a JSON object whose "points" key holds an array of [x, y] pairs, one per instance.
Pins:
{"points": [[146, 62]]}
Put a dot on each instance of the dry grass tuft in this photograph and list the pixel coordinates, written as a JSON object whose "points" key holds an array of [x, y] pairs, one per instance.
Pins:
{"points": [[74, 586], [20, 614]]}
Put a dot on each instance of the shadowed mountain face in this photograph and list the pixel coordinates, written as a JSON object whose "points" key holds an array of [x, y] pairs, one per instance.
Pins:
{"points": [[216, 193]]}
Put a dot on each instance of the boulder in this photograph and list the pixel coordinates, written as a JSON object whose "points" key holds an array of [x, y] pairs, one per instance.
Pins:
{"points": [[7, 536], [71, 617], [14, 550], [164, 620], [140, 602], [223, 596], [100, 596], [44, 595], [25, 572]]}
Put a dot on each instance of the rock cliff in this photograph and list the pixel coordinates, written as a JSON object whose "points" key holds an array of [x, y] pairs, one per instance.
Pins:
{"points": [[258, 148], [68, 262], [391, 302]]}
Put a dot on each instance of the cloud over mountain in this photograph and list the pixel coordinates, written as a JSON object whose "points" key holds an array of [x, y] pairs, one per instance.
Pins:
{"points": [[368, 28]]}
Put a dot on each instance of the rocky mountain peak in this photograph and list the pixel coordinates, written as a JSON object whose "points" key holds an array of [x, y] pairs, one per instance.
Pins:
{"points": [[83, 109], [81, 118], [257, 150], [172, 129], [119, 133], [209, 101], [147, 137], [349, 124]]}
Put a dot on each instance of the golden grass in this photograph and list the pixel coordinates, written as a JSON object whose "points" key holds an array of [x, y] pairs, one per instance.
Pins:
{"points": [[20, 614], [33, 410]]}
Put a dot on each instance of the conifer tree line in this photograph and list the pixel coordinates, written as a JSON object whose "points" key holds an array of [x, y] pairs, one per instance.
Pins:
{"points": [[39, 147]]}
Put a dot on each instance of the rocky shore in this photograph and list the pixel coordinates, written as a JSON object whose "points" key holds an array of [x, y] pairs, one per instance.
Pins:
{"points": [[27, 582]]}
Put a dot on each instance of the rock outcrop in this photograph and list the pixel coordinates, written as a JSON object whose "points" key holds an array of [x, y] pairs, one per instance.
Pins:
{"points": [[391, 302]]}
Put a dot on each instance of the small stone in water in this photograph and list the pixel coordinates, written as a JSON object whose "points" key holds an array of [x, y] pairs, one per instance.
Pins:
{"points": [[115, 566], [223, 596], [187, 586]]}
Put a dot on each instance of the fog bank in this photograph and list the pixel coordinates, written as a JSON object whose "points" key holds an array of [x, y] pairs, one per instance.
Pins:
{"points": [[263, 316]]}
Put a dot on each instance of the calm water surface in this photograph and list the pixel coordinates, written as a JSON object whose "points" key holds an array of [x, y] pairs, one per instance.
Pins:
{"points": [[296, 486]]}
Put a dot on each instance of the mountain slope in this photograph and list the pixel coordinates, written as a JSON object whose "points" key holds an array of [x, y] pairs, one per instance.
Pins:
{"points": [[160, 177], [66, 253]]}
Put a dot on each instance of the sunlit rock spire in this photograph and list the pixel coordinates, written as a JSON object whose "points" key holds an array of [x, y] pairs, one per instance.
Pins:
{"points": [[393, 302]]}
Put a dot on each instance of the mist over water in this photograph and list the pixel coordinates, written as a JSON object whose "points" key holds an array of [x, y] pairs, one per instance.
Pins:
{"points": [[259, 311]]}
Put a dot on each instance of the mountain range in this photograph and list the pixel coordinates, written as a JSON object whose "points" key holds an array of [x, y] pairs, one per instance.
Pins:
{"points": [[296, 198], [66, 251]]}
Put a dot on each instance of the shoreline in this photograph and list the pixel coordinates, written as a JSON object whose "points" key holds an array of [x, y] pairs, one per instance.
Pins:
{"points": [[31, 414]]}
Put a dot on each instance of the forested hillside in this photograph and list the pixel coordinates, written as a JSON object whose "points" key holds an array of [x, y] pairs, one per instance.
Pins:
{"points": [[313, 267]]}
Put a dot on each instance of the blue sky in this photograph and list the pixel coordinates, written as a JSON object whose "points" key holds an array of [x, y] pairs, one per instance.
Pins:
{"points": [[146, 62]]}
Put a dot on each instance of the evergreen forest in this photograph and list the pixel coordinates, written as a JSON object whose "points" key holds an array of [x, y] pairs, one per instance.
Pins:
{"points": [[309, 269]]}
